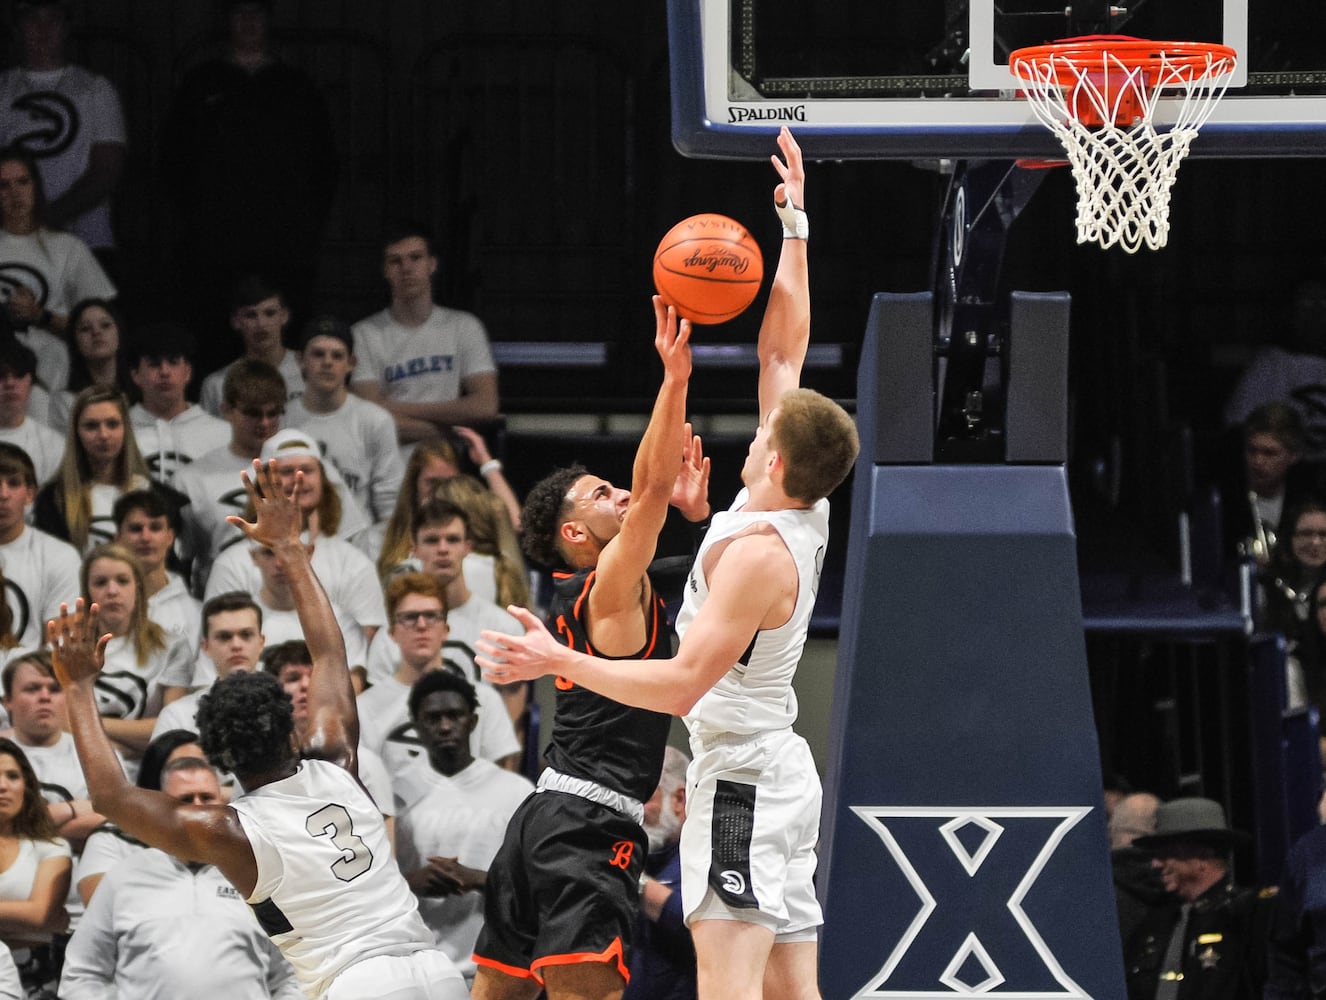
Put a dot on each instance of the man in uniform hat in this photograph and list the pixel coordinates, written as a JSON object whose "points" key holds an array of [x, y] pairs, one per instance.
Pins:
{"points": [[1205, 938]]}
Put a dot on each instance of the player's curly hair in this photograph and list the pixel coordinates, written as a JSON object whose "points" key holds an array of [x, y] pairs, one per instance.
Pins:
{"points": [[244, 723], [546, 506]]}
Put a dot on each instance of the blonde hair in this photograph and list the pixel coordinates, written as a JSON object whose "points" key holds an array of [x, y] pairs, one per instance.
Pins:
{"points": [[818, 443], [398, 536], [492, 534], [73, 480], [147, 636]]}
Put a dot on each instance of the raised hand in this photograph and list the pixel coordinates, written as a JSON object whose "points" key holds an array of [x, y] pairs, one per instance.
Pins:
{"points": [[690, 494], [475, 446], [791, 170], [672, 340], [78, 646], [277, 518]]}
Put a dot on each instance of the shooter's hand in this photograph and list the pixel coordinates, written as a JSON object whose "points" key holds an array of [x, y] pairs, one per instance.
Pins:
{"points": [[672, 340]]}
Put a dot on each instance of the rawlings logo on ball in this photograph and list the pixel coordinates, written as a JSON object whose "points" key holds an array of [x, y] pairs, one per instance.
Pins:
{"points": [[711, 259]]}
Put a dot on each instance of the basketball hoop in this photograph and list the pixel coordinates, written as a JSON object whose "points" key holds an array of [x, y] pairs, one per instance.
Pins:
{"points": [[1099, 95]]}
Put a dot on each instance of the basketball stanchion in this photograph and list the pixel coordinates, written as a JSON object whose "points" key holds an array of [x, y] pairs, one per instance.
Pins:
{"points": [[1099, 94]]}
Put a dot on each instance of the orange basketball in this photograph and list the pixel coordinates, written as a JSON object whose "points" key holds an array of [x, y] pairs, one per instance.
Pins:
{"points": [[708, 268]]}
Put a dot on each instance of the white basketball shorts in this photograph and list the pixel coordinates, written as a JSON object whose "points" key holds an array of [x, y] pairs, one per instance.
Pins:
{"points": [[748, 843], [424, 975]]}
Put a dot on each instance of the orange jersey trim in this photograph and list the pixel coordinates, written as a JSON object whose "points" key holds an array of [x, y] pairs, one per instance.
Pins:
{"points": [[612, 953], [510, 970], [575, 610], [653, 623]]}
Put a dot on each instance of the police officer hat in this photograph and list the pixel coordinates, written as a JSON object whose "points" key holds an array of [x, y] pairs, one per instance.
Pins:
{"points": [[1192, 820]]}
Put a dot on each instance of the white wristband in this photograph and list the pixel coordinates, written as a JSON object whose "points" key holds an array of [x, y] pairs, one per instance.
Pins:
{"points": [[492, 465], [796, 226]]}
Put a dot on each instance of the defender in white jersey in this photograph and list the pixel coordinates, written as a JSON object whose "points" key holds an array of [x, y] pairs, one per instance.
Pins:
{"points": [[753, 806], [305, 846]]}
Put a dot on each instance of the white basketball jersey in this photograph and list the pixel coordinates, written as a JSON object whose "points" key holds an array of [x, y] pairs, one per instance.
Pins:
{"points": [[329, 891], [756, 694]]}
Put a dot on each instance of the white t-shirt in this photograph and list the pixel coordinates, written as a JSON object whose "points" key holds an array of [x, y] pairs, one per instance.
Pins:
{"points": [[17, 880], [384, 725], [176, 610], [464, 623], [211, 395], [43, 444], [328, 891], [214, 488], [169, 446], [359, 439], [155, 923], [41, 573], [105, 847], [282, 626], [424, 364], [347, 575], [127, 689], [59, 115], [182, 713], [60, 270], [57, 768], [463, 817]]}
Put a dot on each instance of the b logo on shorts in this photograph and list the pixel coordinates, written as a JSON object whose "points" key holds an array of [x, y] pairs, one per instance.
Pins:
{"points": [[623, 850]]}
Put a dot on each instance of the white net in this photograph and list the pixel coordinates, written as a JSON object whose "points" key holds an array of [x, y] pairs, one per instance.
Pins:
{"points": [[1101, 102]]}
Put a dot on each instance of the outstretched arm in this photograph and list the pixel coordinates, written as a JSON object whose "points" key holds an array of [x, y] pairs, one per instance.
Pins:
{"points": [[623, 561], [209, 834], [785, 332], [333, 731], [751, 587]]}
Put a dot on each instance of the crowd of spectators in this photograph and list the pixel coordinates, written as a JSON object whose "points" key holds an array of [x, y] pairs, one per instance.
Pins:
{"points": [[122, 441], [121, 447]]}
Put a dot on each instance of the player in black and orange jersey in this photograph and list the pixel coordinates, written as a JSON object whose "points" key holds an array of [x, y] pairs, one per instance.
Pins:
{"points": [[563, 891]]}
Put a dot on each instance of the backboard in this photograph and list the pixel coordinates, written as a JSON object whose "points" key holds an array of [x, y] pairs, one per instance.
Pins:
{"points": [[881, 80]]}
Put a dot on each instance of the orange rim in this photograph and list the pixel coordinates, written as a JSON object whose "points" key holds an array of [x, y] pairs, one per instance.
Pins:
{"points": [[1210, 58]]}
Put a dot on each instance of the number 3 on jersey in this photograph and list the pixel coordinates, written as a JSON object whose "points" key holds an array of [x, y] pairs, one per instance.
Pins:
{"points": [[334, 822]]}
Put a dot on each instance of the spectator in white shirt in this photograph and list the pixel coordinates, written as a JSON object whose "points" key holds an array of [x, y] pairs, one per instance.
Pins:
{"points": [[160, 929], [171, 431]]}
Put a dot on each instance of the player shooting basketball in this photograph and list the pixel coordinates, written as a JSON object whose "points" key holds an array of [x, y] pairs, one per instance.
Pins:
{"points": [[749, 899], [563, 891]]}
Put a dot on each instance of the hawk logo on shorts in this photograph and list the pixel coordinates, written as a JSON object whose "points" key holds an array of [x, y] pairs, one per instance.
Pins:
{"points": [[623, 851], [953, 859], [733, 882]]}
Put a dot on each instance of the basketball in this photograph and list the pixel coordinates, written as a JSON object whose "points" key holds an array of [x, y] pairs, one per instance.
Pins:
{"points": [[708, 268]]}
